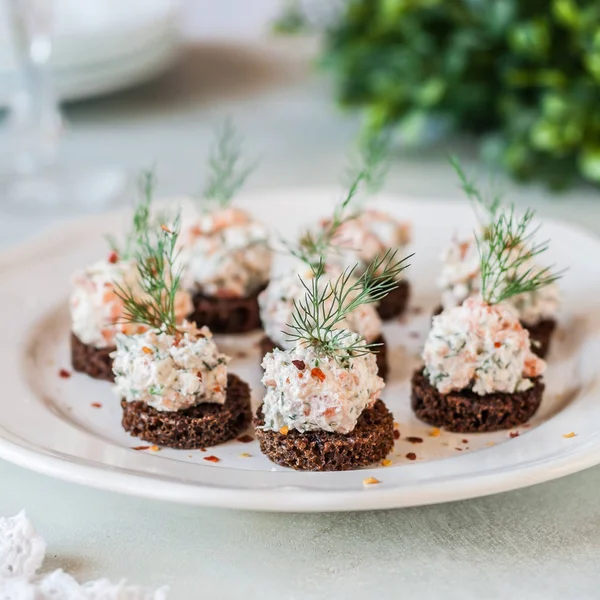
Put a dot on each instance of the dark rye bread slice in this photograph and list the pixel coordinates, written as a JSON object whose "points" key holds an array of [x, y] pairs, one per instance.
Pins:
{"points": [[226, 315], [200, 426], [267, 345], [394, 304], [468, 412], [540, 334], [369, 442], [95, 362]]}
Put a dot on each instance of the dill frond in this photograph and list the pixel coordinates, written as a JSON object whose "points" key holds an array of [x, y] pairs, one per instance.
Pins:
{"points": [[159, 279], [506, 252], [371, 158], [489, 206], [315, 317], [141, 220], [227, 173]]}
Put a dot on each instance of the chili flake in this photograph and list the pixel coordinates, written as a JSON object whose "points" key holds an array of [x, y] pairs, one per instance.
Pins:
{"points": [[371, 481], [140, 447], [96, 405], [284, 430], [435, 432], [146, 350], [113, 257], [165, 228], [414, 440], [396, 434], [411, 456], [299, 364], [64, 374], [154, 448], [212, 458], [317, 374], [514, 434]]}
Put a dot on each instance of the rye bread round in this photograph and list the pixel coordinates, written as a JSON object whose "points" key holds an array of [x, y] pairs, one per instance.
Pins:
{"points": [[226, 315], [200, 426], [394, 304], [267, 345], [540, 334], [95, 362], [468, 412], [369, 442]]}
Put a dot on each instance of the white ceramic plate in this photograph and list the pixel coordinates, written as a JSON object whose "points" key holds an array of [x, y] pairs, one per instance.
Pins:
{"points": [[69, 428], [102, 47]]}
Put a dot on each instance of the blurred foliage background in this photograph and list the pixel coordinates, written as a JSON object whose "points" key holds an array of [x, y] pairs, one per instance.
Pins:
{"points": [[523, 75]]}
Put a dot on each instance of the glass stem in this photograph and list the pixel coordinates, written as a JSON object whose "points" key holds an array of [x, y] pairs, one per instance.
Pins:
{"points": [[35, 120]]}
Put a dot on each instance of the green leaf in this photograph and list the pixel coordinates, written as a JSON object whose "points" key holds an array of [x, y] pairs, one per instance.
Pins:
{"points": [[589, 163]]}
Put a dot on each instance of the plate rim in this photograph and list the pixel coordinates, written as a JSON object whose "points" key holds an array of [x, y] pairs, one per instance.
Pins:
{"points": [[269, 498]]}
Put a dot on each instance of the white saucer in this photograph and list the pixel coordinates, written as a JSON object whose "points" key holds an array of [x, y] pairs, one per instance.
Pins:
{"points": [[54, 425]]}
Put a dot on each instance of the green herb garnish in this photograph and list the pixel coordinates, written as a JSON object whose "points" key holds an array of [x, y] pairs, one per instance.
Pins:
{"points": [[315, 317], [227, 173], [141, 221], [159, 279]]}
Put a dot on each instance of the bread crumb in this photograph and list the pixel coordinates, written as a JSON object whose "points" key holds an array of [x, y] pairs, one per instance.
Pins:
{"points": [[435, 432], [569, 435], [245, 455], [154, 448], [386, 462], [284, 430]]}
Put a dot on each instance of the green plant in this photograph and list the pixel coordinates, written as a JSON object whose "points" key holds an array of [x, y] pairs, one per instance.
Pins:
{"points": [[525, 76]]}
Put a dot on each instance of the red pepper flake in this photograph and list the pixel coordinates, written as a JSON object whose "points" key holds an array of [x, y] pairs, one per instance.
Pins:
{"points": [[64, 374], [411, 456], [165, 228], [96, 405], [465, 441], [318, 374], [514, 434], [140, 447], [113, 257], [497, 344], [245, 439], [299, 364], [459, 449], [146, 350], [414, 440], [212, 458], [396, 434]]}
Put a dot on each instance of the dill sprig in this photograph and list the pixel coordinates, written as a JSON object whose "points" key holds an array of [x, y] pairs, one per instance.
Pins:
{"points": [[489, 206], [315, 317], [141, 220], [159, 279], [506, 250], [372, 155], [227, 173], [312, 245]]}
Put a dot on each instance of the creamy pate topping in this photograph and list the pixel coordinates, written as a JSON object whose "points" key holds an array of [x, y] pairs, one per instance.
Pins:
{"points": [[461, 278], [97, 311], [170, 372], [307, 391], [225, 253], [370, 234], [480, 347], [277, 305]]}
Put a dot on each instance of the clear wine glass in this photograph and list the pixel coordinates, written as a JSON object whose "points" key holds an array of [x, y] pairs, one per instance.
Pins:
{"points": [[35, 178]]}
